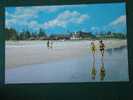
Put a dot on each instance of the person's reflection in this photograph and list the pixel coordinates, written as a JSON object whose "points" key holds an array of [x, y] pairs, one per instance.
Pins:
{"points": [[93, 71], [102, 70]]}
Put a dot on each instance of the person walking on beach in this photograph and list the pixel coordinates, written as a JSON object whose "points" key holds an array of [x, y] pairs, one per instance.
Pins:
{"points": [[93, 48], [48, 43], [102, 47]]}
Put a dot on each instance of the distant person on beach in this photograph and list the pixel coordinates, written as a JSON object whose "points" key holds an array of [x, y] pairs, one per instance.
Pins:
{"points": [[93, 48], [102, 47], [48, 44]]}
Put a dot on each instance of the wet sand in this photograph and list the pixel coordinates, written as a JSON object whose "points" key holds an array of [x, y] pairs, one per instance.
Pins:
{"points": [[23, 53], [113, 67]]}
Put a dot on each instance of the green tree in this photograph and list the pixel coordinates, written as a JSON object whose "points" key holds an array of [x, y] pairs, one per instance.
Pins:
{"points": [[11, 34], [27, 35], [41, 33]]}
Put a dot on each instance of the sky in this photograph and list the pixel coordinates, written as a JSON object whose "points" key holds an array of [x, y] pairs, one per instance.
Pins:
{"points": [[62, 19]]}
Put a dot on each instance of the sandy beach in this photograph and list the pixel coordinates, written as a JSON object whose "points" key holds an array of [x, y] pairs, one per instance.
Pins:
{"points": [[67, 61], [22, 53]]}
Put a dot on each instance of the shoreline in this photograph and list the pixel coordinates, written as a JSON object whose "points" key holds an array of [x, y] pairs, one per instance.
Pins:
{"points": [[110, 44], [36, 52]]}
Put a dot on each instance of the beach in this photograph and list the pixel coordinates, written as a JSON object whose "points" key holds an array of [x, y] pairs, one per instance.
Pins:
{"points": [[66, 62], [20, 53]]}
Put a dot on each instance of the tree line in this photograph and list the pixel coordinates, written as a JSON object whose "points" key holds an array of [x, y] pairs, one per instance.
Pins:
{"points": [[12, 34], [112, 35]]}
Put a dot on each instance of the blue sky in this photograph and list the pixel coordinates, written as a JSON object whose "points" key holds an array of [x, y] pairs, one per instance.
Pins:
{"points": [[68, 18]]}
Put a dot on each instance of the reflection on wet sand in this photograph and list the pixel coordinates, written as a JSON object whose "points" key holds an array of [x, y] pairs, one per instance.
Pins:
{"points": [[120, 49], [93, 71], [84, 69], [102, 70]]}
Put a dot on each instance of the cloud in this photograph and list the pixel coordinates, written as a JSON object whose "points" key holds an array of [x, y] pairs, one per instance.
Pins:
{"points": [[119, 21], [65, 18], [94, 28], [20, 17], [117, 25], [34, 25], [31, 12], [27, 16], [36, 9]]}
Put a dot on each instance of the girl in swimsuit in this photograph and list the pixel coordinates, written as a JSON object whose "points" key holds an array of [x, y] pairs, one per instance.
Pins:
{"points": [[93, 48], [102, 46]]}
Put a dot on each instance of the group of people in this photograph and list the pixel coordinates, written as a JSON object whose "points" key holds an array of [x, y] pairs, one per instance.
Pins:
{"points": [[93, 46], [101, 47], [102, 69]]}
